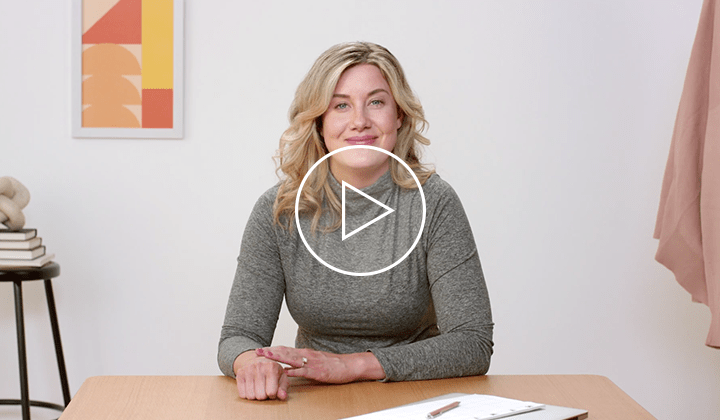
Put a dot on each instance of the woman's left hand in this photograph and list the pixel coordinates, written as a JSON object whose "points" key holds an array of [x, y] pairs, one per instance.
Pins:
{"points": [[325, 367]]}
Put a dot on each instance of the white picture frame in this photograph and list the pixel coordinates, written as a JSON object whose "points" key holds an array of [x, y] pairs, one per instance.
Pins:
{"points": [[175, 131]]}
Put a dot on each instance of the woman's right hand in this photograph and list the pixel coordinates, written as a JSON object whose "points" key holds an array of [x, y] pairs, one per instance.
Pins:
{"points": [[259, 378]]}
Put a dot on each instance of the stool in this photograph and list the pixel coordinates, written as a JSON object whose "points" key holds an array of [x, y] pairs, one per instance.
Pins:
{"points": [[17, 276]]}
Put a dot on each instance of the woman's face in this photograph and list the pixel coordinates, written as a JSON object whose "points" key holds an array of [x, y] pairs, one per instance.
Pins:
{"points": [[362, 112]]}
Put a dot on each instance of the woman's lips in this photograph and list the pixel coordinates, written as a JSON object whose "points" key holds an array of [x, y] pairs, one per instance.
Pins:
{"points": [[361, 140]]}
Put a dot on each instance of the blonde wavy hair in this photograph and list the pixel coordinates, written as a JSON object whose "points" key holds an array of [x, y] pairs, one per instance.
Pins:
{"points": [[302, 145]]}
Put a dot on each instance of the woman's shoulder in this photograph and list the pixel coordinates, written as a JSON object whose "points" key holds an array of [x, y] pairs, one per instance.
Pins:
{"points": [[441, 196], [264, 204], [435, 182], [438, 187], [270, 194]]}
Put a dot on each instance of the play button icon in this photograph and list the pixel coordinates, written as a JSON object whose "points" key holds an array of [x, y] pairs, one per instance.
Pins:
{"points": [[368, 242], [388, 210]]}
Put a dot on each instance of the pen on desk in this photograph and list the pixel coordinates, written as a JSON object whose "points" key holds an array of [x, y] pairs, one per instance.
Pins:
{"points": [[441, 410]]}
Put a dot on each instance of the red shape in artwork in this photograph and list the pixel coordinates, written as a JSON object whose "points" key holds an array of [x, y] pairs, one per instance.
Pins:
{"points": [[121, 25], [157, 108]]}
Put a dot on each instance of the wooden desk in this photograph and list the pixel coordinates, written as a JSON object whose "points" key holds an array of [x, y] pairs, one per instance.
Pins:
{"points": [[215, 397]]}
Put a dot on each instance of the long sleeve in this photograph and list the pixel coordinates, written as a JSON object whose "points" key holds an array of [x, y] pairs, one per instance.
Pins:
{"points": [[459, 296], [688, 222], [257, 291], [428, 317]]}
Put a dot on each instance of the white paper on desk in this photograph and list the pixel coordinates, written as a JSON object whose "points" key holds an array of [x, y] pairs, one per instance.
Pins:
{"points": [[472, 407]]}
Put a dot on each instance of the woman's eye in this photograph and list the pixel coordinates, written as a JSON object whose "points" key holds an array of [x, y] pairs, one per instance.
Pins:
{"points": [[376, 102], [341, 106]]}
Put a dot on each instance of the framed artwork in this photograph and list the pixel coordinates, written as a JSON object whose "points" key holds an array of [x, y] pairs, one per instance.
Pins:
{"points": [[127, 68]]}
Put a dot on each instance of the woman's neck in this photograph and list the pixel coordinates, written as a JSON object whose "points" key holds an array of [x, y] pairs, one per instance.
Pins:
{"points": [[359, 177]]}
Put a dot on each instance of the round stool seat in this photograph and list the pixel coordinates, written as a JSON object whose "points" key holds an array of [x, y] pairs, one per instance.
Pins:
{"points": [[47, 271]]}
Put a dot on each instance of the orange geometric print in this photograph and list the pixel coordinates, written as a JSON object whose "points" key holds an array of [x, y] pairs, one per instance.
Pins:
{"points": [[157, 108], [109, 115], [121, 25], [104, 89], [107, 89], [109, 59]]}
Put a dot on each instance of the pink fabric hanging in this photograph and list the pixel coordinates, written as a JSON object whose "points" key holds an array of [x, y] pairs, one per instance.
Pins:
{"points": [[688, 223]]}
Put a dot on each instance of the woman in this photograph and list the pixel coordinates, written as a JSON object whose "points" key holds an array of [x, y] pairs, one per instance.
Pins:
{"points": [[426, 317]]}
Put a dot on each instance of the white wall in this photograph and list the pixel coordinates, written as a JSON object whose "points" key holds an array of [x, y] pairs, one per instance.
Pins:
{"points": [[552, 119]]}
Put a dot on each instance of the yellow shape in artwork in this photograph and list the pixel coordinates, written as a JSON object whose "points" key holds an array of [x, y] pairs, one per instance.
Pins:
{"points": [[157, 44]]}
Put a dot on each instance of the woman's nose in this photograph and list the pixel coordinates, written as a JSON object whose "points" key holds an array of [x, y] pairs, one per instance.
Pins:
{"points": [[360, 119]]}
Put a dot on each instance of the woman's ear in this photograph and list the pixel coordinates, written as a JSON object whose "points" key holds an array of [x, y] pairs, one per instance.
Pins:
{"points": [[318, 129], [319, 126]]}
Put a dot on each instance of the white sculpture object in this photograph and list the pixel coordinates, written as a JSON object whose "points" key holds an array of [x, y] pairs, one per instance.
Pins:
{"points": [[13, 198]]}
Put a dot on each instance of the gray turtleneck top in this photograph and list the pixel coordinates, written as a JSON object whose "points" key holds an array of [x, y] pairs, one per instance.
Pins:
{"points": [[427, 317]]}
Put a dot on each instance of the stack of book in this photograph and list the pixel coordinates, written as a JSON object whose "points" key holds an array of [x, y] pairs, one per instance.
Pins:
{"points": [[22, 248]]}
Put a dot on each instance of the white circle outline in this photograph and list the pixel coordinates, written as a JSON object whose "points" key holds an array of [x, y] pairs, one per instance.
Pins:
{"points": [[351, 273]]}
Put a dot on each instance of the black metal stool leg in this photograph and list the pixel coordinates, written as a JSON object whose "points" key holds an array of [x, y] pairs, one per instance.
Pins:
{"points": [[58, 344], [22, 355]]}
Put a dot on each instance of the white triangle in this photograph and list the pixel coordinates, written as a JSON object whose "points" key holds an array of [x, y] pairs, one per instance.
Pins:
{"points": [[389, 210]]}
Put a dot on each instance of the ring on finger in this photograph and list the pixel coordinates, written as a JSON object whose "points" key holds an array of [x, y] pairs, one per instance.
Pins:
{"points": [[304, 360]]}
